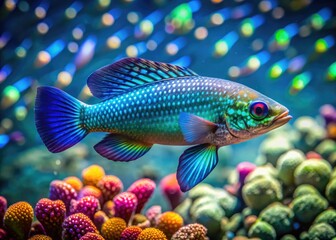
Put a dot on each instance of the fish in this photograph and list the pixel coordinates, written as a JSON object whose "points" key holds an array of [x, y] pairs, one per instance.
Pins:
{"points": [[144, 102]]}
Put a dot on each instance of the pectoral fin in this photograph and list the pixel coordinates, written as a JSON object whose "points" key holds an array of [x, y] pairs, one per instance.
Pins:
{"points": [[195, 128], [121, 148], [195, 164]]}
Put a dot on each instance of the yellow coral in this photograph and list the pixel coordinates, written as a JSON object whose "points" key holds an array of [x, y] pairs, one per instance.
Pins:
{"points": [[92, 174], [18, 219], [169, 223], [152, 234], [112, 228], [75, 182], [40, 237]]}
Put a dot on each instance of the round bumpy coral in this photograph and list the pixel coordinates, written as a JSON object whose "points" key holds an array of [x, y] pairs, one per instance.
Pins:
{"points": [[171, 190], [152, 213], [3, 208], [321, 231], [40, 237], [287, 164], [152, 234], [260, 192], [51, 215], [92, 174], [169, 223], [124, 205], [130, 233], [262, 230], [315, 172], [87, 205], [76, 226], [305, 189], [279, 216], [92, 236], [91, 191], [193, 231], [18, 219], [110, 186], [112, 228], [143, 190], [60, 190], [331, 191], [328, 216], [307, 207], [75, 182]]}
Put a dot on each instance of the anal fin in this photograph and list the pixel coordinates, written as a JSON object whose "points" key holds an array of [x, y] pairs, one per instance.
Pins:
{"points": [[121, 148], [195, 164]]}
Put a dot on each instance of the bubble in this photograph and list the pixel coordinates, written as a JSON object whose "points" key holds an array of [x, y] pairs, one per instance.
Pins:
{"points": [[72, 47], [113, 42], [64, 78], [151, 45], [42, 59], [107, 19], [201, 33], [20, 52], [171, 48], [217, 19], [278, 13], [42, 28], [70, 13], [132, 51], [265, 6], [234, 71], [257, 44], [77, 33], [133, 17], [40, 12]]}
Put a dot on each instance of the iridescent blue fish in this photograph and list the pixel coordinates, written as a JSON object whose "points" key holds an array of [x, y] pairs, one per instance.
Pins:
{"points": [[146, 103]]}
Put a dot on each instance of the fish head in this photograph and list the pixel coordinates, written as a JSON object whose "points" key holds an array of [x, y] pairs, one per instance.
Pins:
{"points": [[251, 114]]}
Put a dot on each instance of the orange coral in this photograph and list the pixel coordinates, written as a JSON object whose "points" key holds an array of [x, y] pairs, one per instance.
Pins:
{"points": [[75, 182], [130, 233], [92, 236], [169, 223], [152, 234], [40, 237], [112, 228], [92, 174], [18, 219], [91, 191]]}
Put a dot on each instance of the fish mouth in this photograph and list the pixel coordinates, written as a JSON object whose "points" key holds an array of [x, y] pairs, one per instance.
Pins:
{"points": [[280, 120]]}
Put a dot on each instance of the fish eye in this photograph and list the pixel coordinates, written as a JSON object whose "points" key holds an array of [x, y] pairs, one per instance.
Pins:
{"points": [[258, 110]]}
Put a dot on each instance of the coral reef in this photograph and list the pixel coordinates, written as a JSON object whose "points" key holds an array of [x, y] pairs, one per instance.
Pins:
{"points": [[88, 205], [112, 228], [124, 205], [143, 190], [110, 186], [76, 226], [60, 190]]}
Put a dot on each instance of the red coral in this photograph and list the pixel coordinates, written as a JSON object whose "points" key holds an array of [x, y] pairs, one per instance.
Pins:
{"points": [[124, 205], [171, 190]]}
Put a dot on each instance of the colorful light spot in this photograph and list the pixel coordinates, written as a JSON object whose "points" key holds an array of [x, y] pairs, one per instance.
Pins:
{"points": [[331, 75], [299, 82]]}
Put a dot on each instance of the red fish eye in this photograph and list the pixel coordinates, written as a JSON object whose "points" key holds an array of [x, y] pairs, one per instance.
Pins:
{"points": [[258, 110]]}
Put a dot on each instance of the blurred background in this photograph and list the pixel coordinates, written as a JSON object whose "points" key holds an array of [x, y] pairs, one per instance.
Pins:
{"points": [[284, 49]]}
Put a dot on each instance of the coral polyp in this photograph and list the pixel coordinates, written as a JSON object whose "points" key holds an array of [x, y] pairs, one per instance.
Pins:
{"points": [[60, 190], [110, 186], [143, 190], [76, 226], [125, 205]]}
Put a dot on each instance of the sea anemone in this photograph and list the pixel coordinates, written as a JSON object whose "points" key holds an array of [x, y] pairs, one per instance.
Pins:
{"points": [[18, 219], [314, 172], [152, 214], [262, 230], [75, 182], [287, 164], [112, 228], [260, 192], [143, 190], [124, 205], [41, 237], [92, 174], [91, 191], [193, 231], [51, 215], [327, 216], [279, 216], [3, 208], [169, 223], [130, 233], [321, 231], [331, 191], [92, 236], [110, 186], [307, 207], [99, 219], [171, 190], [152, 234], [60, 190], [88, 205], [76, 226]]}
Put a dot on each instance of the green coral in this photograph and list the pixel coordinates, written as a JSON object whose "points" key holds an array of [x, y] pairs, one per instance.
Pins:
{"points": [[321, 231], [287, 164], [307, 207], [288, 237], [279, 216], [201, 190], [226, 201], [305, 189], [273, 147], [315, 172], [328, 216], [261, 192], [326, 148], [262, 230], [331, 191], [261, 172]]}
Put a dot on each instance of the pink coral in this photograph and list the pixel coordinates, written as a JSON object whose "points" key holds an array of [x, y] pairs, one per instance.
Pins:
{"points": [[60, 190], [76, 226], [88, 205], [124, 205], [3, 208], [92, 236], [91, 191], [110, 186], [143, 190], [51, 215], [3, 234], [171, 190], [130, 233], [153, 213]]}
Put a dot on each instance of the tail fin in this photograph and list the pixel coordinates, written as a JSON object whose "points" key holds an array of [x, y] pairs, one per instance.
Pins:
{"points": [[57, 119]]}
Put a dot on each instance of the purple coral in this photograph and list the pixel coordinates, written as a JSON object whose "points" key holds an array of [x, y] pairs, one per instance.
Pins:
{"points": [[124, 205], [110, 186], [243, 169], [3, 208], [88, 205], [51, 215], [36, 229], [76, 226], [60, 190], [91, 191], [143, 190]]}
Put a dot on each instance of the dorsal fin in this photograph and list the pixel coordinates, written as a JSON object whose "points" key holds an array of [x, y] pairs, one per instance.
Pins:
{"points": [[127, 73]]}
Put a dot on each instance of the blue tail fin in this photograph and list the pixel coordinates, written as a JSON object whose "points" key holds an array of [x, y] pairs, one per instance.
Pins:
{"points": [[57, 119]]}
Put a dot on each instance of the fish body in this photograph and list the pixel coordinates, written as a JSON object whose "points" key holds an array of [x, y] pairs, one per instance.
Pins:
{"points": [[146, 103]]}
